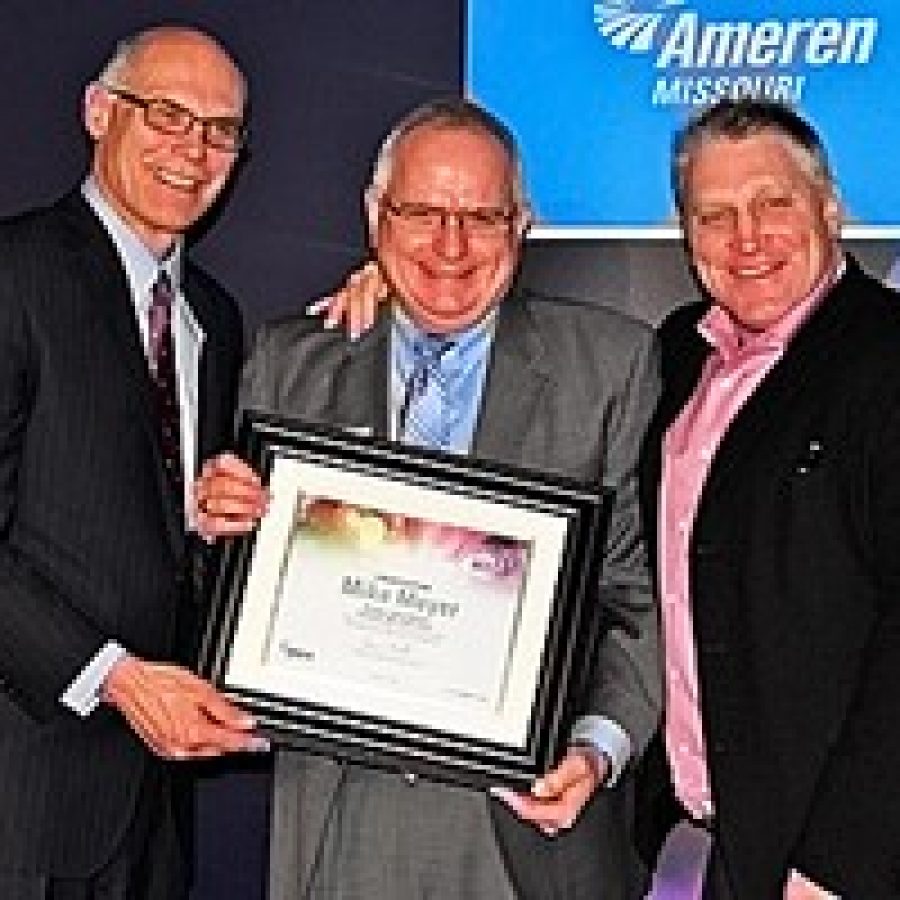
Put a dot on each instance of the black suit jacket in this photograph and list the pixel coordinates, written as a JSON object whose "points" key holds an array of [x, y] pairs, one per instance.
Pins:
{"points": [[91, 544], [795, 572]]}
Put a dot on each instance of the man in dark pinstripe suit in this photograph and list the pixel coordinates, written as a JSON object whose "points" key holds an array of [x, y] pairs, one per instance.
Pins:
{"points": [[95, 586]]}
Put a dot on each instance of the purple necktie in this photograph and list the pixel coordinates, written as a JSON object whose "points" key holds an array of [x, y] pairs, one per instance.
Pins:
{"points": [[165, 381], [681, 866]]}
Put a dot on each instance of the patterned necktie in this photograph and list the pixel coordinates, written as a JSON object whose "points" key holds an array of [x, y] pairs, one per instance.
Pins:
{"points": [[165, 381], [427, 416]]}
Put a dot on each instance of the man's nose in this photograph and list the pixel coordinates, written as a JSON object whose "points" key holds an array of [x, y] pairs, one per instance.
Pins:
{"points": [[193, 143], [451, 240], [747, 229]]}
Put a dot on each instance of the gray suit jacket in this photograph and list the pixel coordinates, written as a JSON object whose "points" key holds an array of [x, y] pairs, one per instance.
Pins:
{"points": [[570, 389]]}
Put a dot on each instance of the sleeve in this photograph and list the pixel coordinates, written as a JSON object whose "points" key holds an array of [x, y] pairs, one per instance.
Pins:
{"points": [[44, 641], [254, 387], [608, 738], [627, 683]]}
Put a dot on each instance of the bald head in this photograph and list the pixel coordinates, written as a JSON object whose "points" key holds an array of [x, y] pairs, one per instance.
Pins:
{"points": [[139, 49], [165, 116]]}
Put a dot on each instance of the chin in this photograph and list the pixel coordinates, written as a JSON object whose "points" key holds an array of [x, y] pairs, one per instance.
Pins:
{"points": [[444, 317]]}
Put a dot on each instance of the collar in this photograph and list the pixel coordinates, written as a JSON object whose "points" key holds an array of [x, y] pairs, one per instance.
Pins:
{"points": [[411, 342], [141, 265], [731, 339]]}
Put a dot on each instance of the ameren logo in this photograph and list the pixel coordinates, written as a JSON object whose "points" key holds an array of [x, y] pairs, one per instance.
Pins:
{"points": [[705, 61]]}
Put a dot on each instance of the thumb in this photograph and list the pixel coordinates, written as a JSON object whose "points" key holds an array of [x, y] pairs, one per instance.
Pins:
{"points": [[221, 710]]}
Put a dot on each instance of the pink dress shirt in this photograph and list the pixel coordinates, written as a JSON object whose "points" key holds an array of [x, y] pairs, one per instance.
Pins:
{"points": [[739, 361]]}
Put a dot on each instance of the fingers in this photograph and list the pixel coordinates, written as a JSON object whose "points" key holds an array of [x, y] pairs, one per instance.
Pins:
{"points": [[557, 799], [177, 714], [228, 497], [574, 768], [230, 470], [369, 290], [335, 307], [319, 306], [355, 303]]}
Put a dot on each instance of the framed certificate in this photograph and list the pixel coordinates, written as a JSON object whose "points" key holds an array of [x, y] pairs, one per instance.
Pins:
{"points": [[401, 608]]}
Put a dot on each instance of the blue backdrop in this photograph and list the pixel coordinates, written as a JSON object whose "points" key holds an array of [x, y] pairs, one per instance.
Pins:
{"points": [[595, 89]]}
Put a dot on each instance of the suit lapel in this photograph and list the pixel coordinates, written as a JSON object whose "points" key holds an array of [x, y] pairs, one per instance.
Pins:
{"points": [[213, 375], [517, 377], [771, 405], [108, 297], [359, 399]]}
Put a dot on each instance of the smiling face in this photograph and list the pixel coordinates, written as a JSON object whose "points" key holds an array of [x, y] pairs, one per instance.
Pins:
{"points": [[160, 184], [761, 227], [449, 274]]}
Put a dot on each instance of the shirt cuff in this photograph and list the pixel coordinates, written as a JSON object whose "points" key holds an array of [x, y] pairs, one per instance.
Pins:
{"points": [[82, 696], [608, 738]]}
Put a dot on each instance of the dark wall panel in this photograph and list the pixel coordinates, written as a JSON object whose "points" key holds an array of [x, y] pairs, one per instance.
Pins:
{"points": [[327, 79]]}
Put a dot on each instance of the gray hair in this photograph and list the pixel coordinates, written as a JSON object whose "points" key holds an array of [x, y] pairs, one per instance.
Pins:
{"points": [[449, 112], [742, 118]]}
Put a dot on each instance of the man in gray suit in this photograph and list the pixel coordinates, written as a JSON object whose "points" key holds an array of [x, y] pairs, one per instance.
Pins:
{"points": [[466, 364]]}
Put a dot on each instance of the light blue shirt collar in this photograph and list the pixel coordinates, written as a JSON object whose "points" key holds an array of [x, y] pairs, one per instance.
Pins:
{"points": [[472, 340]]}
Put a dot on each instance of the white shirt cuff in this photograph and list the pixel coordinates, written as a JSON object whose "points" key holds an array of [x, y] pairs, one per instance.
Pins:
{"points": [[607, 737], [82, 696]]}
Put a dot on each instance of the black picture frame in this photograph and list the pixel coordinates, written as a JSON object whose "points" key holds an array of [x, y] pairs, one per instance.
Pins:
{"points": [[556, 528]]}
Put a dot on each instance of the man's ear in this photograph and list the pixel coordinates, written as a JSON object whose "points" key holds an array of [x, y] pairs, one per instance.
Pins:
{"points": [[373, 217], [97, 109], [833, 213], [523, 223]]}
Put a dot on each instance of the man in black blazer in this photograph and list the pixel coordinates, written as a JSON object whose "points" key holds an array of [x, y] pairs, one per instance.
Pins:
{"points": [[778, 443], [95, 575]]}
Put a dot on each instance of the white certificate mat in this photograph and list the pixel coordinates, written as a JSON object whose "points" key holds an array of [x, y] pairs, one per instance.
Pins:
{"points": [[412, 604]]}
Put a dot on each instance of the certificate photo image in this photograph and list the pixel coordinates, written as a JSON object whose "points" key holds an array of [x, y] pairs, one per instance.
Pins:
{"points": [[403, 604]]}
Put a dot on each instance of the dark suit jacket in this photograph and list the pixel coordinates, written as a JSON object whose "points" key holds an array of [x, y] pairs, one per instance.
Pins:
{"points": [[91, 546], [795, 571], [569, 390]]}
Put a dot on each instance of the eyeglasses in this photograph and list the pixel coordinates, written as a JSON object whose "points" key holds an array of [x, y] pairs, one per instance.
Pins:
{"points": [[487, 221], [169, 117]]}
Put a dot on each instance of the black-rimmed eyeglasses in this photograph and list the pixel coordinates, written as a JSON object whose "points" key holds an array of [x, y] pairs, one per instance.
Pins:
{"points": [[487, 221], [169, 117]]}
